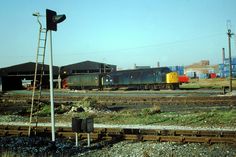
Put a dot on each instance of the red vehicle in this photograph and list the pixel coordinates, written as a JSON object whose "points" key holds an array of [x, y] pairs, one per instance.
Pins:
{"points": [[183, 79], [213, 75], [64, 84]]}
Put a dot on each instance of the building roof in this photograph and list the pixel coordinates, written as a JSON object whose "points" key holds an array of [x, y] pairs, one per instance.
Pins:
{"points": [[27, 68], [86, 65]]}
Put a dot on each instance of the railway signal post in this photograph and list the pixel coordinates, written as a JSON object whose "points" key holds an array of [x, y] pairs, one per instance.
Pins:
{"points": [[52, 19]]}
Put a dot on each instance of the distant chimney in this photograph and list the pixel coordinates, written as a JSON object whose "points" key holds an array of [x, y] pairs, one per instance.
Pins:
{"points": [[223, 54], [158, 64], [135, 66]]}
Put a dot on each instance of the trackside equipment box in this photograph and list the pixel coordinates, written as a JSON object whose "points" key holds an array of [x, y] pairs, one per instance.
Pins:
{"points": [[82, 125]]}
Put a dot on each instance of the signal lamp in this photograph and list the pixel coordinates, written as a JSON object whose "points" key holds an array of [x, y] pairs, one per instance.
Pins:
{"points": [[52, 19]]}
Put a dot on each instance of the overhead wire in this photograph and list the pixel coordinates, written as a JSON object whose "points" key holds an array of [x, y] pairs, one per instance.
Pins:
{"points": [[147, 46], [159, 45]]}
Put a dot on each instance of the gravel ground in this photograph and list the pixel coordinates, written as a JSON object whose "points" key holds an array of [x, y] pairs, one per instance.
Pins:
{"points": [[124, 148], [36, 146], [150, 149], [23, 146]]}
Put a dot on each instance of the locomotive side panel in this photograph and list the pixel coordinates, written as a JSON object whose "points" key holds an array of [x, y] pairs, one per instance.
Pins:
{"points": [[154, 78], [84, 81]]}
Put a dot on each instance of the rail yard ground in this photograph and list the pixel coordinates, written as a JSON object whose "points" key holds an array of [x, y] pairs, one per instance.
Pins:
{"points": [[188, 108], [200, 103], [216, 83]]}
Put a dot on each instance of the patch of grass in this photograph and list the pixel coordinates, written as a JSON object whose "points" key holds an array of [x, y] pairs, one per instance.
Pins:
{"points": [[151, 111], [223, 117], [214, 118], [190, 86], [45, 111], [211, 118], [215, 83], [83, 115], [13, 118], [86, 102]]}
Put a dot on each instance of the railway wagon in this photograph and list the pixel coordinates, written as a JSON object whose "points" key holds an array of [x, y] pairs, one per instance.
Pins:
{"points": [[84, 81], [153, 78]]}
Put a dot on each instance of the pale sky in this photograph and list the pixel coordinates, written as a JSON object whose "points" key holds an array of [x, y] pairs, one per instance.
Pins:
{"points": [[120, 32]]}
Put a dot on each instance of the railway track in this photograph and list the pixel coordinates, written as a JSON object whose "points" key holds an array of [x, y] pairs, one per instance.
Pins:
{"points": [[183, 136], [108, 100]]}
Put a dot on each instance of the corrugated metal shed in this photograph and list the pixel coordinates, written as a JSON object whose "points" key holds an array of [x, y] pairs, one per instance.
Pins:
{"points": [[25, 69], [87, 67], [12, 76]]}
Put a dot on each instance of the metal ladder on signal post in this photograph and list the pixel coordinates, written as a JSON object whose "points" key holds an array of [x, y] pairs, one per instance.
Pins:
{"points": [[40, 57]]}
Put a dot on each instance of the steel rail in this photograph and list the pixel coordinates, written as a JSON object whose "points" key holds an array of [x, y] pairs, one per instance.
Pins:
{"points": [[107, 99], [183, 136]]}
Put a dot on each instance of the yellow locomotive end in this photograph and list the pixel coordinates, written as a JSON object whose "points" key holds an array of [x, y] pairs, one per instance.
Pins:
{"points": [[172, 77]]}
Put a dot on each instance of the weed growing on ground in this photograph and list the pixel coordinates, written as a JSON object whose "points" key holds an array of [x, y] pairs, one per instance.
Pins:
{"points": [[210, 118], [86, 102]]}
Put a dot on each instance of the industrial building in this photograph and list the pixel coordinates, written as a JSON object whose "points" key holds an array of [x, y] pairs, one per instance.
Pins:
{"points": [[200, 70], [17, 76], [224, 68], [12, 76], [87, 67], [178, 69]]}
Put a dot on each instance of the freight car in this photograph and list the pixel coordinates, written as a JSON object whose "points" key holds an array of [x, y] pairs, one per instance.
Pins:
{"points": [[153, 78]]}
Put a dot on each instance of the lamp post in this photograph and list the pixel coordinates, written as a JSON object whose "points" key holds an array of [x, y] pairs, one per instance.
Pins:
{"points": [[230, 62]]}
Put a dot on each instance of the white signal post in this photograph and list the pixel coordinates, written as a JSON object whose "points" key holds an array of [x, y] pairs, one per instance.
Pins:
{"points": [[52, 19], [51, 88]]}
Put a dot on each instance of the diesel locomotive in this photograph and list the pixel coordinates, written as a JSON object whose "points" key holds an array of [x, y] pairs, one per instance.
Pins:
{"points": [[141, 79]]}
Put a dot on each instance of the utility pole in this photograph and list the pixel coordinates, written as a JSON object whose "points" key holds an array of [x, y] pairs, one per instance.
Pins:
{"points": [[230, 63]]}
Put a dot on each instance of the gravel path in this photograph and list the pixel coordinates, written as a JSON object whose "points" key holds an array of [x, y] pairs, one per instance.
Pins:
{"points": [[161, 127], [166, 149]]}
